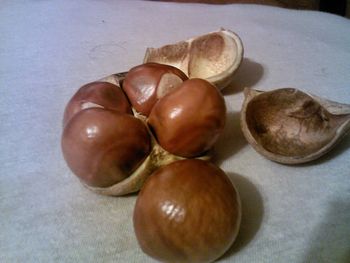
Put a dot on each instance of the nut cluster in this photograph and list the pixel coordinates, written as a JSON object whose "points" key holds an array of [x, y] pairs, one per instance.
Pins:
{"points": [[109, 131], [153, 130], [157, 125]]}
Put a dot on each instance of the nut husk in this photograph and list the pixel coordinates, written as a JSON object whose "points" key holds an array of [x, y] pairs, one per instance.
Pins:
{"points": [[290, 126], [214, 57]]}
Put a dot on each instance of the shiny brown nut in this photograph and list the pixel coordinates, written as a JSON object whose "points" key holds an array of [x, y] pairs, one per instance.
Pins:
{"points": [[187, 211], [97, 94], [103, 147], [146, 83], [188, 120]]}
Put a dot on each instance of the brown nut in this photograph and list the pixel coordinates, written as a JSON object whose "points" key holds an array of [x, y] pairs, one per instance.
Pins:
{"points": [[125, 173], [103, 147], [97, 94], [187, 211], [188, 121], [146, 83]]}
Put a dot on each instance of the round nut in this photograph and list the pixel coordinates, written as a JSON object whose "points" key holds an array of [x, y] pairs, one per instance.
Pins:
{"points": [[97, 94], [188, 121], [187, 211], [146, 83], [103, 147]]}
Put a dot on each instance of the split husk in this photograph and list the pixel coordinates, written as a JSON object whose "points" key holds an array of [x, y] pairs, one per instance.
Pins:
{"points": [[289, 126], [215, 56]]}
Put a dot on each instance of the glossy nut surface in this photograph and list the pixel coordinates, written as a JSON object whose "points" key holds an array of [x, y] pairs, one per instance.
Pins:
{"points": [[188, 120], [187, 211], [146, 83], [104, 147], [97, 94]]}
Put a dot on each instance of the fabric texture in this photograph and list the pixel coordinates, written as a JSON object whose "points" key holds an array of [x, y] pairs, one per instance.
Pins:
{"points": [[48, 49]]}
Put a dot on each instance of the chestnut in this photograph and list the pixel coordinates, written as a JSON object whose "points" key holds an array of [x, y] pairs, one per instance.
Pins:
{"points": [[189, 119], [146, 83], [187, 211], [103, 147], [113, 147], [97, 94]]}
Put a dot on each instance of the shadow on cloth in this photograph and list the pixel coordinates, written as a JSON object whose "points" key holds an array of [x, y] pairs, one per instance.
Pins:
{"points": [[338, 149], [248, 74], [231, 140], [330, 241], [252, 212]]}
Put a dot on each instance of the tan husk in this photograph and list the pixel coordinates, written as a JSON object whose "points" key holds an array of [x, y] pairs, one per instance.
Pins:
{"points": [[289, 126], [214, 56], [158, 157]]}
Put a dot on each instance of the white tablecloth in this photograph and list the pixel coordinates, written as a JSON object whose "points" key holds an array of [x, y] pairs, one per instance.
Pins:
{"points": [[48, 49]]}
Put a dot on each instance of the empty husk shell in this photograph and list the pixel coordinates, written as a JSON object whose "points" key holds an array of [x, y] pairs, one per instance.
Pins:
{"points": [[214, 56], [289, 126]]}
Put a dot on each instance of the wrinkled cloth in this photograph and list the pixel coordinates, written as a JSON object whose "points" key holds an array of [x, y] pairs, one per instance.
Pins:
{"points": [[48, 49]]}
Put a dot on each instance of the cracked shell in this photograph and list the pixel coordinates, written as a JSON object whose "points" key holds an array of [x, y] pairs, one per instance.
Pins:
{"points": [[289, 126], [214, 57]]}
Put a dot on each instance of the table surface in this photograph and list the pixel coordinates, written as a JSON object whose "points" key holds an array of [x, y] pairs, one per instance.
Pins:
{"points": [[48, 49]]}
